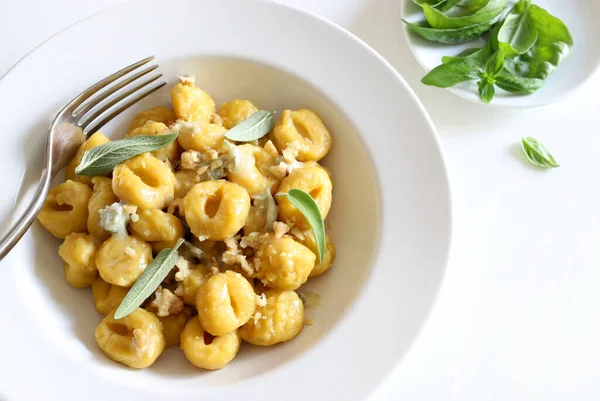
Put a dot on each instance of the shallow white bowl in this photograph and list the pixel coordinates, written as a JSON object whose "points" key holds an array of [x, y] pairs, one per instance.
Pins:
{"points": [[580, 16], [390, 219]]}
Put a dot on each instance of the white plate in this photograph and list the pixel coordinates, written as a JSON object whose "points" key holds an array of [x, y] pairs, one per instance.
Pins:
{"points": [[390, 220], [580, 16]]}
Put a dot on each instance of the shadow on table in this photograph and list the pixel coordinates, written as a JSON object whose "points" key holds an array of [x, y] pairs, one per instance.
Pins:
{"points": [[380, 25]]}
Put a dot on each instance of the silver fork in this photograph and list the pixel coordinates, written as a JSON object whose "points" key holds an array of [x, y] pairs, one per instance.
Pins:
{"points": [[79, 119]]}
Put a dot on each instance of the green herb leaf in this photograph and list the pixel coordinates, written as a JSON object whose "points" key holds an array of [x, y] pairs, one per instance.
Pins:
{"points": [[451, 36], [487, 90], [447, 75], [495, 64], [537, 153], [477, 56], [448, 20], [517, 34], [254, 127], [149, 281], [433, 3], [448, 5], [102, 159], [517, 84], [552, 47], [309, 208]]}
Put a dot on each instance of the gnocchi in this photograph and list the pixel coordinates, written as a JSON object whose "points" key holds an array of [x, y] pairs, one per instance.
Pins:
{"points": [[245, 251]]}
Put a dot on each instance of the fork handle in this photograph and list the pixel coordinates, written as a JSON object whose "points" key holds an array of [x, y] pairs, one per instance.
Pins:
{"points": [[19, 229]]}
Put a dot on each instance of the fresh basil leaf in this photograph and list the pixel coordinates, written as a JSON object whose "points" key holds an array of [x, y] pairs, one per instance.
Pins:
{"points": [[149, 281], [517, 34], [537, 153], [477, 56], [440, 20], [448, 5], [447, 75], [487, 90], [553, 46], [451, 36], [433, 3], [102, 159], [517, 84], [495, 64], [309, 208], [254, 127]]}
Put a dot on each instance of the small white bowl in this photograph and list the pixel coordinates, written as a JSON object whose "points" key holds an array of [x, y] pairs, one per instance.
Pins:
{"points": [[580, 16]]}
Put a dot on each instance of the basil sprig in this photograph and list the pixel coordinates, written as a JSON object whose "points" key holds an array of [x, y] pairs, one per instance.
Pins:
{"points": [[522, 51], [309, 208], [254, 127], [537, 153], [102, 159], [149, 281]]}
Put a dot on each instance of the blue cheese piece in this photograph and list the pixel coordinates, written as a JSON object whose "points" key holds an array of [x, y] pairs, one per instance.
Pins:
{"points": [[114, 219]]}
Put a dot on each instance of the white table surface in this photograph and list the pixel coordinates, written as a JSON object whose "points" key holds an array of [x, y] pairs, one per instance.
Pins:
{"points": [[516, 318]]}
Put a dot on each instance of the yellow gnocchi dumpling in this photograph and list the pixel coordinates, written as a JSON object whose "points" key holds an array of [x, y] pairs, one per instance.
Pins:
{"points": [[225, 302], [279, 320], [144, 181], [313, 180], [170, 152], [102, 196], [159, 114], [216, 210], [173, 326], [200, 136], [328, 257], [184, 181], [122, 258], [305, 128], [234, 112], [192, 103], [107, 297], [284, 263], [95, 140], [156, 225], [188, 287], [206, 351], [136, 340], [251, 169], [78, 251], [66, 209]]}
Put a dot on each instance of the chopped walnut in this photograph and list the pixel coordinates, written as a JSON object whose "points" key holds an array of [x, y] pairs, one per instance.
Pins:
{"points": [[279, 171], [261, 300], [187, 79], [184, 269], [251, 240], [271, 149], [166, 303], [233, 255], [212, 154], [139, 341], [256, 317], [280, 229], [214, 270], [298, 233], [190, 159]]}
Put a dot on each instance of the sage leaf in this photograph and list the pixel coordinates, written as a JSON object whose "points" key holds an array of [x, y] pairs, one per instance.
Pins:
{"points": [[254, 127], [309, 208], [149, 281], [537, 153], [517, 34], [447, 75], [448, 5], [446, 20], [433, 3], [102, 159], [451, 36]]}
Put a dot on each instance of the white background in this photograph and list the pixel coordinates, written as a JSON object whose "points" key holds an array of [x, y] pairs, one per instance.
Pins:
{"points": [[517, 316]]}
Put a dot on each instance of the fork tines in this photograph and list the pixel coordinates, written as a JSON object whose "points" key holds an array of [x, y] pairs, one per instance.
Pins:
{"points": [[101, 102]]}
